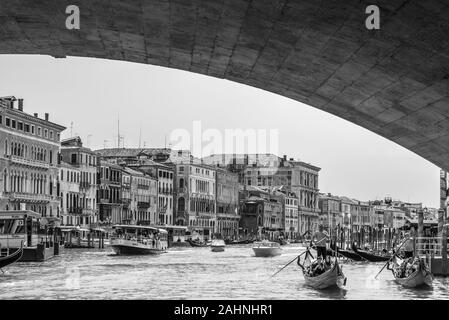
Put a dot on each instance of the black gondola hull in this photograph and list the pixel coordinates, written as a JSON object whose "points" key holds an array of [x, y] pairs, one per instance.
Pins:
{"points": [[10, 259]]}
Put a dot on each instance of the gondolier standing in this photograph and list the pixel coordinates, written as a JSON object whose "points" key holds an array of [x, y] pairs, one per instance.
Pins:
{"points": [[319, 240], [408, 245]]}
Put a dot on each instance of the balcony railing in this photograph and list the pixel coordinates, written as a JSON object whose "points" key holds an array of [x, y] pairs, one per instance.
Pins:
{"points": [[29, 162], [429, 245], [143, 204], [29, 196], [85, 185]]}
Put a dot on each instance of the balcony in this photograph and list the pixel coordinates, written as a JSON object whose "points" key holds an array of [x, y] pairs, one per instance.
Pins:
{"points": [[85, 185], [29, 162], [29, 196], [143, 204]]}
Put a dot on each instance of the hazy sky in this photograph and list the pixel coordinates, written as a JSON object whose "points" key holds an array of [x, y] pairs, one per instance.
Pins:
{"points": [[91, 93]]}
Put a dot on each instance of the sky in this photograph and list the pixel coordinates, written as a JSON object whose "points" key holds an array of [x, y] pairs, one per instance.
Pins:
{"points": [[88, 96]]}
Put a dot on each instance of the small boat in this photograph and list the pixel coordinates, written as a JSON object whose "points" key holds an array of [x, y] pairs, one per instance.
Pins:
{"points": [[333, 277], [422, 276], [218, 245], [283, 242], [198, 243], [347, 253], [371, 256], [267, 248], [138, 240], [11, 258]]}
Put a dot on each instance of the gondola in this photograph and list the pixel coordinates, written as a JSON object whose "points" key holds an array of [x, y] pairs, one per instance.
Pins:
{"points": [[422, 276], [13, 257], [372, 257], [347, 253], [331, 278], [197, 244]]}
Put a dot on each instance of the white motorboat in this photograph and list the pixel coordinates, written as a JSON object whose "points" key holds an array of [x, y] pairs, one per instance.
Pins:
{"points": [[267, 248], [217, 245], [134, 239]]}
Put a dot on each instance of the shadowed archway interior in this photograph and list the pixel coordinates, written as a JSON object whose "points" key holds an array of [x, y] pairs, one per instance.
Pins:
{"points": [[393, 81]]}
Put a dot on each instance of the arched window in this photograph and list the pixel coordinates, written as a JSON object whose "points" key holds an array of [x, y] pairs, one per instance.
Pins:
{"points": [[181, 204], [181, 183]]}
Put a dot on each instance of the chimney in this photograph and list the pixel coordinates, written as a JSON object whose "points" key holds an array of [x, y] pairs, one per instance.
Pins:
{"points": [[35, 115], [46, 116], [21, 104]]}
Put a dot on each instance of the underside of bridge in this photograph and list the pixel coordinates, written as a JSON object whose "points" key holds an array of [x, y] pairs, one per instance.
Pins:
{"points": [[393, 81]]}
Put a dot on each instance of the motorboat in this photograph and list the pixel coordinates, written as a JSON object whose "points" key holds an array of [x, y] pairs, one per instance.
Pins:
{"points": [[217, 245], [138, 240], [267, 248]]}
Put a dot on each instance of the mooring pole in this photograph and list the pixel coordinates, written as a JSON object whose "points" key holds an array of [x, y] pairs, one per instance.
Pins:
{"points": [[420, 229]]}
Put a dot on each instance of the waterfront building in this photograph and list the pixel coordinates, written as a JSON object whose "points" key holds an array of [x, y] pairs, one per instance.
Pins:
{"points": [[361, 215], [272, 171], [152, 162], [109, 202], [237, 163], [195, 194], [295, 176], [227, 195], [85, 160], [164, 173], [290, 215], [143, 192], [69, 193], [262, 213], [29, 148], [330, 211]]}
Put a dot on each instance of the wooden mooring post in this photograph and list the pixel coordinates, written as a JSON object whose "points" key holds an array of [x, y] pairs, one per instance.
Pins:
{"points": [[419, 243]]}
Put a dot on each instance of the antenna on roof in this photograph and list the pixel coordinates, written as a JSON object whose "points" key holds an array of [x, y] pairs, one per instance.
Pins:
{"points": [[118, 130], [140, 135]]}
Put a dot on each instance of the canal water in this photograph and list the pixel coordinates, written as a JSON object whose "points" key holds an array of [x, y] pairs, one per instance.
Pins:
{"points": [[194, 273]]}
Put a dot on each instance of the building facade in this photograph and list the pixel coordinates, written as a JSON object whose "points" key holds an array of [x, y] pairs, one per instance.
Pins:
{"points": [[85, 160], [227, 195], [29, 148]]}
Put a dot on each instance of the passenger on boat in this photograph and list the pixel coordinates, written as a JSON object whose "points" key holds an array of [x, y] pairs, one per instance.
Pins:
{"points": [[319, 239], [317, 267]]}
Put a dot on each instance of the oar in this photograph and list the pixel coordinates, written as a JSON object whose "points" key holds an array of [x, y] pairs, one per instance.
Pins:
{"points": [[391, 258], [288, 263]]}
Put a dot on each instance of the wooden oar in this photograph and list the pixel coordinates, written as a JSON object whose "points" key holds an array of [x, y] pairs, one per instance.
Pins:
{"points": [[288, 263], [391, 258]]}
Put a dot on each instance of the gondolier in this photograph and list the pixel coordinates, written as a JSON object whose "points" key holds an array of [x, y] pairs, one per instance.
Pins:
{"points": [[319, 240], [408, 245]]}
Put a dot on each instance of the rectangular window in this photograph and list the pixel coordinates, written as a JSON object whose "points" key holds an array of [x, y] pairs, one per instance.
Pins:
{"points": [[20, 126], [45, 133], [13, 124], [57, 137], [1, 120], [32, 129], [39, 131], [27, 127], [8, 122], [51, 135]]}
